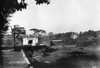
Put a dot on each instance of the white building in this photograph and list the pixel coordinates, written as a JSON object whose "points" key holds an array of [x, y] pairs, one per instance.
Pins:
{"points": [[26, 40]]}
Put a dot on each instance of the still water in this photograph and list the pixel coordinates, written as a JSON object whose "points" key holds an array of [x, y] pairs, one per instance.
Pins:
{"points": [[73, 61]]}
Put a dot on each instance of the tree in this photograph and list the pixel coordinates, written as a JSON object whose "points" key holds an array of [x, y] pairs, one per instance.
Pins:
{"points": [[8, 7], [37, 32], [87, 38], [17, 31], [50, 33], [42, 1]]}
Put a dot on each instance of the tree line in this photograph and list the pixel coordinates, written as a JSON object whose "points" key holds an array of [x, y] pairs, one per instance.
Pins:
{"points": [[87, 38], [8, 7]]}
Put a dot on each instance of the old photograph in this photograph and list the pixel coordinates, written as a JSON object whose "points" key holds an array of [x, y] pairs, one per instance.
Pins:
{"points": [[49, 33]]}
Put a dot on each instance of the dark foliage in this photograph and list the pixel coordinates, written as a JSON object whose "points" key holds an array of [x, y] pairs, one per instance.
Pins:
{"points": [[87, 38], [65, 37], [42, 1], [8, 7]]}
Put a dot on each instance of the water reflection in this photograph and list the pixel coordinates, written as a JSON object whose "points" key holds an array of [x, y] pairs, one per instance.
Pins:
{"points": [[81, 61], [73, 61]]}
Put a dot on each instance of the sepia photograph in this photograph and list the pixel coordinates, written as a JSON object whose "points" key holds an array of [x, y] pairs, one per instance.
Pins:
{"points": [[49, 33]]}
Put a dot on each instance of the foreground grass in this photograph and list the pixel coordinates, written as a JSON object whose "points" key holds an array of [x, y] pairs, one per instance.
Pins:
{"points": [[69, 57], [62, 57], [13, 59]]}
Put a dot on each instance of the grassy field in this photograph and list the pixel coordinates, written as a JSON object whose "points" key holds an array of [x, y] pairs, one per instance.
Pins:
{"points": [[67, 51], [12, 59], [70, 57], [62, 57]]}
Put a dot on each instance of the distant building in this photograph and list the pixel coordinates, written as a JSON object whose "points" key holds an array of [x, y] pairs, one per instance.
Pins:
{"points": [[74, 35], [8, 40], [30, 40]]}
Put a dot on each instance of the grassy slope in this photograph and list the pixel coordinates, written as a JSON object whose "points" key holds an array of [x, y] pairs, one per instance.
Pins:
{"points": [[13, 59]]}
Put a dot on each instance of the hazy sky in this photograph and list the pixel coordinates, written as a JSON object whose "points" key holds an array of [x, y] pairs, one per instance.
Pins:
{"points": [[60, 16]]}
